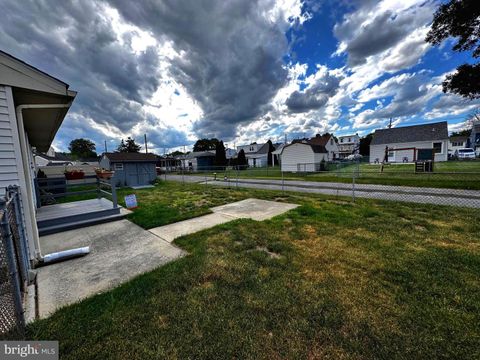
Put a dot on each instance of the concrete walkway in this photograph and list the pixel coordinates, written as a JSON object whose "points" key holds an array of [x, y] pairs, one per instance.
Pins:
{"points": [[246, 209], [440, 196], [119, 251]]}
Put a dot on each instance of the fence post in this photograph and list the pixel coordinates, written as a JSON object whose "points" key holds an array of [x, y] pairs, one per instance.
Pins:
{"points": [[12, 267], [283, 183], [183, 176], [114, 193], [22, 241], [354, 174], [99, 194]]}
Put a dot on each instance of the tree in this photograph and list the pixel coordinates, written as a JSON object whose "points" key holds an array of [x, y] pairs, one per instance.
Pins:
{"points": [[271, 149], [220, 157], [128, 146], [459, 19], [365, 145], [205, 144], [242, 159], [82, 148]]}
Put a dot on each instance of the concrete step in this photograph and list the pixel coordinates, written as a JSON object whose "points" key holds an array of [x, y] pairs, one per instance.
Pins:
{"points": [[75, 224]]}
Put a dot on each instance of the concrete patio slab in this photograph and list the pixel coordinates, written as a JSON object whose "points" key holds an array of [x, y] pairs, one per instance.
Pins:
{"points": [[119, 251], [254, 209]]}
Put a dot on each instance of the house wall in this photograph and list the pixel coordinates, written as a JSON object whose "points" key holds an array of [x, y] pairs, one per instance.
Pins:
{"points": [[300, 157], [378, 151], [452, 148], [346, 147], [9, 143], [249, 148], [332, 149], [11, 163], [258, 161]]}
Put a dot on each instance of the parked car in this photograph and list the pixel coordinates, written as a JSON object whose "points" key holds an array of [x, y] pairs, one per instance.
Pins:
{"points": [[354, 157], [467, 153]]}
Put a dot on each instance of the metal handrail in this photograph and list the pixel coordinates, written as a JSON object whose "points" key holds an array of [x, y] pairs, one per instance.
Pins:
{"points": [[98, 188]]}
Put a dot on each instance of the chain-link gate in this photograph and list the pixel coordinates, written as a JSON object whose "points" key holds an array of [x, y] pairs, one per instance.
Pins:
{"points": [[14, 266]]}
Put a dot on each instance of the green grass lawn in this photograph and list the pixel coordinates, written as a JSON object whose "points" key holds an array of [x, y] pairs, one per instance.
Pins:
{"points": [[451, 174], [330, 279]]}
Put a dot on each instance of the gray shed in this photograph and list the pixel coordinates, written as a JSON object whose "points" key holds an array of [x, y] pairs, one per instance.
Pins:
{"points": [[131, 169]]}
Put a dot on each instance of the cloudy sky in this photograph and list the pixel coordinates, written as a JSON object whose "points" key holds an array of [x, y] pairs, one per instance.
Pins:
{"points": [[239, 70]]}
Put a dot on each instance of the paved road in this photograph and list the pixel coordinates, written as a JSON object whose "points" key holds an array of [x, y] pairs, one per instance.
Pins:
{"points": [[455, 197]]}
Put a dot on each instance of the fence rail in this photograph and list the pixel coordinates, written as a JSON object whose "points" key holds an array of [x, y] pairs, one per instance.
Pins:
{"points": [[399, 182], [48, 190], [14, 265]]}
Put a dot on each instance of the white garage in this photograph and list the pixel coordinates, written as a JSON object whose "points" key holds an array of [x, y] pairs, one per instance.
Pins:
{"points": [[302, 157]]}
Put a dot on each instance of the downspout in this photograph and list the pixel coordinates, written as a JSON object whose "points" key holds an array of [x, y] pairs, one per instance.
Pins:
{"points": [[25, 161]]}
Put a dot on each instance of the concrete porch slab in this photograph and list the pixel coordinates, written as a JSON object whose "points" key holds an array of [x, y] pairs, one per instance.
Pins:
{"points": [[119, 251], [254, 209]]}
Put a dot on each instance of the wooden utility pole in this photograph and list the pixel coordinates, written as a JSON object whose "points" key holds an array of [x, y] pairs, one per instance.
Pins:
{"points": [[146, 144]]}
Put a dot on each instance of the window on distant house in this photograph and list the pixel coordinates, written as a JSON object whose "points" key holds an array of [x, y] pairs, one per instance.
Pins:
{"points": [[331, 141], [341, 140], [118, 166], [437, 147], [391, 155], [349, 140]]}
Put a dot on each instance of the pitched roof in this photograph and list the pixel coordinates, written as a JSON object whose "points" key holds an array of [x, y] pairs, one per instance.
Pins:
{"points": [[316, 148], [130, 157], [458, 138], [405, 134], [196, 154], [320, 140]]}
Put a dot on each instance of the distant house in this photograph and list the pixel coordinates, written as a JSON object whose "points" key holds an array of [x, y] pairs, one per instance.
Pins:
{"points": [[456, 142], [168, 163], [474, 140], [405, 142], [303, 157], [131, 169], [347, 145], [327, 141], [200, 160], [256, 154]]}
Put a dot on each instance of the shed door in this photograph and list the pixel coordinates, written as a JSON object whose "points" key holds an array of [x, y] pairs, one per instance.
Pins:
{"points": [[143, 174], [139, 174]]}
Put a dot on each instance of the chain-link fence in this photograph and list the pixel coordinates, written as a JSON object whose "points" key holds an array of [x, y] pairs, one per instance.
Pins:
{"points": [[450, 183], [14, 265]]}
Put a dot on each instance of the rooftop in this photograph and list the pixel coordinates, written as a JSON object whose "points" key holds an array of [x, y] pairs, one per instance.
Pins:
{"points": [[424, 132]]}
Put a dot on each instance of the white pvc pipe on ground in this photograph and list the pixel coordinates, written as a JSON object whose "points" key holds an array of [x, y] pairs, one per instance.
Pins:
{"points": [[65, 255]]}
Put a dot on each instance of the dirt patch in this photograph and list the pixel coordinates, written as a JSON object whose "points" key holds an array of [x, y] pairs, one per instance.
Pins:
{"points": [[201, 202], [272, 254]]}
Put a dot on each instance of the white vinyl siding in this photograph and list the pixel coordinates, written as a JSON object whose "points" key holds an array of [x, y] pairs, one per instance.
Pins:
{"points": [[8, 159], [300, 157], [378, 151]]}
